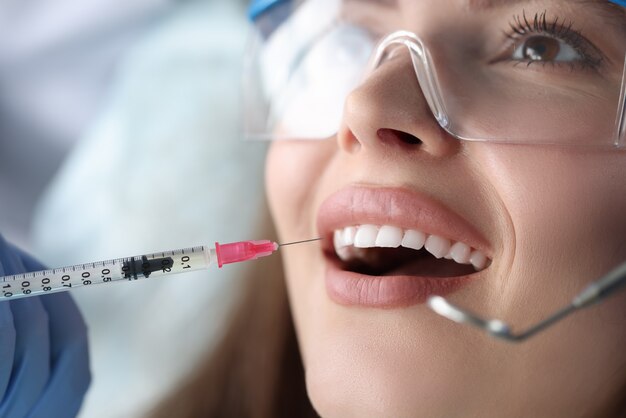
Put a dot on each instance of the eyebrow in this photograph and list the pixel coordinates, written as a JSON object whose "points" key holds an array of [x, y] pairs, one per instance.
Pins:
{"points": [[385, 3], [614, 14], [477, 5], [489, 4]]}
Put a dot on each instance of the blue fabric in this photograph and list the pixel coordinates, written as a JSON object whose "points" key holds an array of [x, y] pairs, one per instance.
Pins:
{"points": [[619, 2], [44, 361]]}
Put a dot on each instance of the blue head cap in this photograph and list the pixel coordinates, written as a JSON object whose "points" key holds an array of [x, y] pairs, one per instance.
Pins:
{"points": [[619, 2], [258, 7]]}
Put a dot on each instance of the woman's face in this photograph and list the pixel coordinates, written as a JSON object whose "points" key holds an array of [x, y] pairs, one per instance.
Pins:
{"points": [[549, 219]]}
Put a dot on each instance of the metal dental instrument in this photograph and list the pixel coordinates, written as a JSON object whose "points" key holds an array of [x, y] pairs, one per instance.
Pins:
{"points": [[137, 267], [595, 292]]}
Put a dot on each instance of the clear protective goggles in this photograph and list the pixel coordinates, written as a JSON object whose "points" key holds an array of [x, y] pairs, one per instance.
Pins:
{"points": [[547, 87]]}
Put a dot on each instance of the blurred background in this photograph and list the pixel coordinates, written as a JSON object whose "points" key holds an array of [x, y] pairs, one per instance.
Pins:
{"points": [[119, 135]]}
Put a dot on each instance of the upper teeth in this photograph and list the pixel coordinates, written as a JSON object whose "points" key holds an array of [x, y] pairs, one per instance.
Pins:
{"points": [[387, 236]]}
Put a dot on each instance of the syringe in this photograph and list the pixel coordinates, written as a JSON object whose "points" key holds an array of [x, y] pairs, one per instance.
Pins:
{"points": [[133, 268]]}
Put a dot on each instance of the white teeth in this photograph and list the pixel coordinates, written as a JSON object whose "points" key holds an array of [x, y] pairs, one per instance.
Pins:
{"points": [[413, 239], [348, 235], [389, 237], [460, 252], [437, 246], [349, 243], [365, 236], [478, 260], [343, 253], [337, 241]]}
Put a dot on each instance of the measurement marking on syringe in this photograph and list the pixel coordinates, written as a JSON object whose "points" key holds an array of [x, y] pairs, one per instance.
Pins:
{"points": [[131, 268]]}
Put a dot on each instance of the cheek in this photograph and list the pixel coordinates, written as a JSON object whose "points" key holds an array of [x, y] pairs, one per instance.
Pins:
{"points": [[292, 174], [280, 188], [567, 210]]}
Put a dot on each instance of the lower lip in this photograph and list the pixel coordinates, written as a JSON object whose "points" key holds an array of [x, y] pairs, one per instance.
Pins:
{"points": [[387, 292]]}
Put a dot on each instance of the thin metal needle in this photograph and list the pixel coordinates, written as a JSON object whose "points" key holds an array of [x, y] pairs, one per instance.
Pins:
{"points": [[299, 242]]}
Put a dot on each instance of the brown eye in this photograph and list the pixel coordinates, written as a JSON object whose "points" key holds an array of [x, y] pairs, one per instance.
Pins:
{"points": [[540, 48], [545, 48]]}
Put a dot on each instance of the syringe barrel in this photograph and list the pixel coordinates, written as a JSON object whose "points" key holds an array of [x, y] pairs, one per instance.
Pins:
{"points": [[131, 268], [127, 268]]}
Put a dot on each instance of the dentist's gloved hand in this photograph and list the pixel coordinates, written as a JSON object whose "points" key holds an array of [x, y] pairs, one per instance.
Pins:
{"points": [[44, 362]]}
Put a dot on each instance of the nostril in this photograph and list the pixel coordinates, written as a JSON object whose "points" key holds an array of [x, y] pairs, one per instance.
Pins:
{"points": [[394, 136], [408, 138]]}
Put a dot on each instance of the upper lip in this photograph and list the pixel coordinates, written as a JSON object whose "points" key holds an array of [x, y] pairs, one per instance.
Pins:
{"points": [[401, 207]]}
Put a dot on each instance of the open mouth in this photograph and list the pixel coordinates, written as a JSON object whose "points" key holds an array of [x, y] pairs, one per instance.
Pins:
{"points": [[388, 250], [396, 247]]}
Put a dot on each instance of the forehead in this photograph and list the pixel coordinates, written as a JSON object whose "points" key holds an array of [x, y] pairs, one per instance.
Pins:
{"points": [[600, 12], [477, 5], [609, 12]]}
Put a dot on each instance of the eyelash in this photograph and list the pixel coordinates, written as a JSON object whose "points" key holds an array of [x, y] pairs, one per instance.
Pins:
{"points": [[559, 29]]}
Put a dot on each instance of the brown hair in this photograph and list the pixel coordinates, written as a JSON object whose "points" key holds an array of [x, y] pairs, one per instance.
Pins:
{"points": [[255, 371]]}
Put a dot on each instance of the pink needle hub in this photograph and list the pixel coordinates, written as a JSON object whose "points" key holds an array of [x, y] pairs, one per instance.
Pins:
{"points": [[236, 252]]}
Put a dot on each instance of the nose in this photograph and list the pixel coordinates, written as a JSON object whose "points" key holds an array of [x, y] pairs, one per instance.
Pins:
{"points": [[388, 111]]}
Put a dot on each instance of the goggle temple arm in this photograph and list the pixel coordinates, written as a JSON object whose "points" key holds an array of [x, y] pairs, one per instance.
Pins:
{"points": [[620, 137], [620, 124]]}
